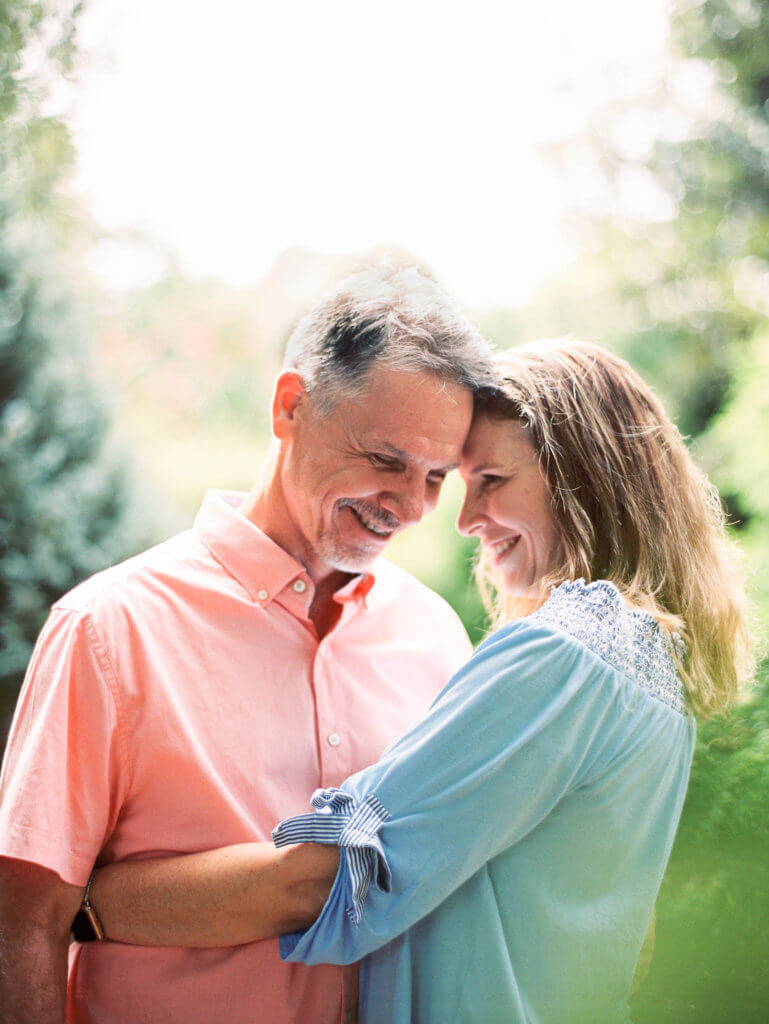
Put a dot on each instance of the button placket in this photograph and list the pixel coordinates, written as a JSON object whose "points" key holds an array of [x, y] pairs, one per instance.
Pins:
{"points": [[334, 744]]}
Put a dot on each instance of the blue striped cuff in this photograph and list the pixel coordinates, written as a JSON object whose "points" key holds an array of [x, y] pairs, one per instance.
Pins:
{"points": [[340, 821]]}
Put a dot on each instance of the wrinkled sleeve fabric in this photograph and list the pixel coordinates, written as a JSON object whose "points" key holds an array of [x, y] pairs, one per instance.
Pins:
{"points": [[65, 769], [511, 734]]}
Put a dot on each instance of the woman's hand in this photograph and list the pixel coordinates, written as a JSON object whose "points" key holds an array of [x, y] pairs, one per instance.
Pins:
{"points": [[223, 897]]}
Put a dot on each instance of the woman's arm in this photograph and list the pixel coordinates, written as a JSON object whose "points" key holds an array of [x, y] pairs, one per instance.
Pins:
{"points": [[511, 735], [486, 764], [222, 897]]}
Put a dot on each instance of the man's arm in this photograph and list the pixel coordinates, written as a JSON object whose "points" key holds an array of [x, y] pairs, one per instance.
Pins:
{"points": [[222, 897], [36, 908]]}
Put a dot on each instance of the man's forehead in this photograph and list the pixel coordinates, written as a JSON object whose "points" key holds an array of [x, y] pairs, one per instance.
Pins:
{"points": [[410, 416], [394, 392]]}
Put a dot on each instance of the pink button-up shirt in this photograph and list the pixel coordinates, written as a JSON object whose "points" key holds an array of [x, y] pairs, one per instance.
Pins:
{"points": [[181, 701]]}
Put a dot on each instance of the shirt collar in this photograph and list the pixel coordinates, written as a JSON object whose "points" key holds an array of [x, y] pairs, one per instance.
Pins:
{"points": [[357, 589], [260, 565]]}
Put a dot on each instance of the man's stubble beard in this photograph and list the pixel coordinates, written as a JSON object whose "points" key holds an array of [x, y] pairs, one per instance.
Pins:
{"points": [[346, 557]]}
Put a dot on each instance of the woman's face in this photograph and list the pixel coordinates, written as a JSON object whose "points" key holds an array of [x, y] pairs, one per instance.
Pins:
{"points": [[507, 504]]}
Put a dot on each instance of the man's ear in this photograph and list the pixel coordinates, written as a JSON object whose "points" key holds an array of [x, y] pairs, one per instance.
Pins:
{"points": [[288, 395]]}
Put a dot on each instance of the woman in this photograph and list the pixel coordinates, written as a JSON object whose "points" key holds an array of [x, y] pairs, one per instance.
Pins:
{"points": [[501, 861]]}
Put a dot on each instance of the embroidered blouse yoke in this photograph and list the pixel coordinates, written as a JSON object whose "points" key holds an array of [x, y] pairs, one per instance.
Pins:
{"points": [[501, 860]]}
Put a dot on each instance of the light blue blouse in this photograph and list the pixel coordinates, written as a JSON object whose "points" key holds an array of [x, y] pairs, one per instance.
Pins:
{"points": [[501, 861]]}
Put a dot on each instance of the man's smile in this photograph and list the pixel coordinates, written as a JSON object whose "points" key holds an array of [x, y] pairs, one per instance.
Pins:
{"points": [[381, 524]]}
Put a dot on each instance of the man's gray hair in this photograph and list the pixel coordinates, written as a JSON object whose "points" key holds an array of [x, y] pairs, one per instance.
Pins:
{"points": [[392, 316]]}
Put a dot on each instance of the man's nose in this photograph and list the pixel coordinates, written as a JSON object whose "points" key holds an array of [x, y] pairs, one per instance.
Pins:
{"points": [[407, 501]]}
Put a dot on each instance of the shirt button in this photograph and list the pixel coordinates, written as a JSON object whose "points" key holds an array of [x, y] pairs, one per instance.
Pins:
{"points": [[262, 594], [333, 739], [300, 586]]}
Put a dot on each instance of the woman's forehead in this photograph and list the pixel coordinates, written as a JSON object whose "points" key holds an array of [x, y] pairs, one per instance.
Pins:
{"points": [[492, 439]]}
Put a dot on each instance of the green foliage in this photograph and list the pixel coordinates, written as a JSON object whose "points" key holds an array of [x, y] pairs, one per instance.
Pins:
{"points": [[685, 298], [737, 35], [735, 451], [712, 941], [714, 902], [710, 292], [728, 799], [682, 292], [66, 505], [37, 47]]}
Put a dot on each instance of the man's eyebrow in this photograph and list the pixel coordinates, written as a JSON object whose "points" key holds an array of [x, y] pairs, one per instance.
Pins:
{"points": [[386, 448], [390, 449]]}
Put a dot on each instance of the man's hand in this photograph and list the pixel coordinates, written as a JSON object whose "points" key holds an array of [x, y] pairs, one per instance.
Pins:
{"points": [[36, 909]]}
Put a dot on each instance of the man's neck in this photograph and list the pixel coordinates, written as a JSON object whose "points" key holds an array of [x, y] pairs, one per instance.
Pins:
{"points": [[266, 507], [325, 612]]}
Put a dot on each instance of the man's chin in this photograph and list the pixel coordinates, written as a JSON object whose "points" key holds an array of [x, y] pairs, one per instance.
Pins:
{"points": [[347, 558]]}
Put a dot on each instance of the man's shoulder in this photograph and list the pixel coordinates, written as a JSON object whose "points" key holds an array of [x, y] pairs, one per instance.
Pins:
{"points": [[395, 587], [118, 584], [393, 582]]}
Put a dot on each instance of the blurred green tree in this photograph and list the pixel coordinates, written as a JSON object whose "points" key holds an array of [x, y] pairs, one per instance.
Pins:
{"points": [[688, 293], [678, 283], [695, 287], [67, 505]]}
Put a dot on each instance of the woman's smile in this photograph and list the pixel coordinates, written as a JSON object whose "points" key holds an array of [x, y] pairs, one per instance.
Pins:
{"points": [[508, 505], [503, 547]]}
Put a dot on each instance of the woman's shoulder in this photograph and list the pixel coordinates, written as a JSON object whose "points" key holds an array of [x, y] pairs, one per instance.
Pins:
{"points": [[595, 616]]}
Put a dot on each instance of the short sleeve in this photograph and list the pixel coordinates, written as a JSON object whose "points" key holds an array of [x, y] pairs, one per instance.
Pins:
{"points": [[512, 733], [65, 769]]}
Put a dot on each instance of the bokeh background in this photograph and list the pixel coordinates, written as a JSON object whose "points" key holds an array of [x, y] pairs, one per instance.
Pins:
{"points": [[179, 182]]}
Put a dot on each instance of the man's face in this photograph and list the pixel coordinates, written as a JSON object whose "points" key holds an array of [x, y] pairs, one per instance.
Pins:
{"points": [[374, 465]]}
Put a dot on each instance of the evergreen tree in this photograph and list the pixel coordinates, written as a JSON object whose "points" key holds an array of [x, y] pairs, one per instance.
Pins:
{"points": [[66, 502]]}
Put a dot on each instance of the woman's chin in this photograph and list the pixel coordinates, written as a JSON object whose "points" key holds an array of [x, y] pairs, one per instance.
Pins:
{"points": [[527, 594]]}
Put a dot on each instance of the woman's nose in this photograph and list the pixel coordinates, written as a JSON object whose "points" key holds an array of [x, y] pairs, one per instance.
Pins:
{"points": [[470, 518]]}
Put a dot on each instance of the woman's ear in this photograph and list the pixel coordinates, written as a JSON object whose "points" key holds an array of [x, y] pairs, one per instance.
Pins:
{"points": [[288, 396]]}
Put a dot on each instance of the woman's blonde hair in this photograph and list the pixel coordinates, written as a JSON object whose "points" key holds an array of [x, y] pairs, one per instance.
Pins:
{"points": [[631, 506]]}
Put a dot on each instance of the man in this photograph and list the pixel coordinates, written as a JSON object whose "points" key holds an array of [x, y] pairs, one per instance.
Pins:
{"points": [[197, 694]]}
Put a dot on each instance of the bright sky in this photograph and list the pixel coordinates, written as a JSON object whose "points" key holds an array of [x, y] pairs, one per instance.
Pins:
{"points": [[234, 130]]}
